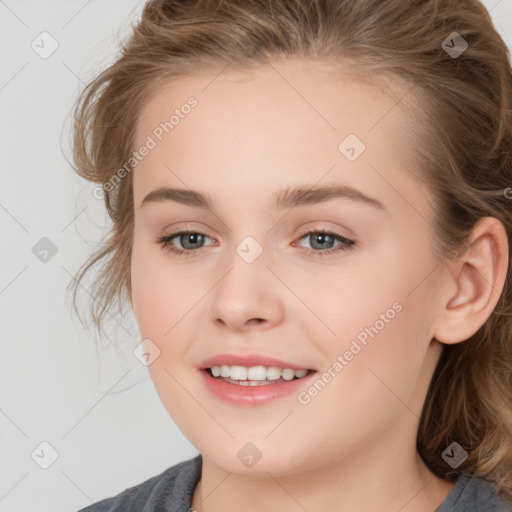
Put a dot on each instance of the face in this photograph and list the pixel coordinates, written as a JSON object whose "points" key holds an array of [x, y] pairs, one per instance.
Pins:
{"points": [[257, 277]]}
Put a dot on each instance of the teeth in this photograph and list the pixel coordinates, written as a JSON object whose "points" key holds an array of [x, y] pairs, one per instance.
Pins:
{"points": [[238, 373], [288, 374], [273, 373], [256, 373]]}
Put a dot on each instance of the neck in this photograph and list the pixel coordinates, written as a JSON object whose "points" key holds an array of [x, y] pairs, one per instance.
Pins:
{"points": [[389, 479]]}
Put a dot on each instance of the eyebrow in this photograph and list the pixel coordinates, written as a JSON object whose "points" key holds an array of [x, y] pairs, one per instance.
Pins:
{"points": [[287, 198]]}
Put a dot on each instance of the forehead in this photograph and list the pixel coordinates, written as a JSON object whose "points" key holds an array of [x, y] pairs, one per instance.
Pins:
{"points": [[279, 124], [328, 94]]}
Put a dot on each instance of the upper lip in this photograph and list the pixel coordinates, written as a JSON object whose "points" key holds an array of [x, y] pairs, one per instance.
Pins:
{"points": [[248, 360]]}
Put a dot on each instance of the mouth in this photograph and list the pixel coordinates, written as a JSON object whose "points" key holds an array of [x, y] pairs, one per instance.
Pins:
{"points": [[252, 380], [255, 375]]}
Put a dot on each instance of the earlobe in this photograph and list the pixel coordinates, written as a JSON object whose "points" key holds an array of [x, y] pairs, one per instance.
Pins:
{"points": [[479, 276]]}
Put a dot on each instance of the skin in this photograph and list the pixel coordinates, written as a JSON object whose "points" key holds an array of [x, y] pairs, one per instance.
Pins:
{"points": [[352, 447]]}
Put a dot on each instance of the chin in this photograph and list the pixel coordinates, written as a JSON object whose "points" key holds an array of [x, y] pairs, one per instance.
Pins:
{"points": [[255, 459]]}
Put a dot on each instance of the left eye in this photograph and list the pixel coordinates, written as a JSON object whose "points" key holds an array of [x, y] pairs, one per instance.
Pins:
{"points": [[191, 241]]}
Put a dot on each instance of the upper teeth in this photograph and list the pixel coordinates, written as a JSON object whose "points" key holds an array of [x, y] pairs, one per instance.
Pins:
{"points": [[256, 372]]}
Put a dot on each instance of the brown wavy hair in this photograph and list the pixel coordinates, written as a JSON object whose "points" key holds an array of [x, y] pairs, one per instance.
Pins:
{"points": [[460, 137]]}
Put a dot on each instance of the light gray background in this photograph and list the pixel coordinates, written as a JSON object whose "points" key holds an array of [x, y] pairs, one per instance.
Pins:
{"points": [[100, 412]]}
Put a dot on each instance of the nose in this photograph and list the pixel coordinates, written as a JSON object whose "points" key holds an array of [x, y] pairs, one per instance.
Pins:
{"points": [[248, 296]]}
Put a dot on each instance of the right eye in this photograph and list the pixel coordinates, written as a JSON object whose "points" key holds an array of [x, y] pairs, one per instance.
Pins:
{"points": [[185, 238]]}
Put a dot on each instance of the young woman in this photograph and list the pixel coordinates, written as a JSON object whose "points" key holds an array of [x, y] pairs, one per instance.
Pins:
{"points": [[312, 216]]}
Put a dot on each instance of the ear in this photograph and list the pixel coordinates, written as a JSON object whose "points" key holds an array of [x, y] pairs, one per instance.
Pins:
{"points": [[478, 278]]}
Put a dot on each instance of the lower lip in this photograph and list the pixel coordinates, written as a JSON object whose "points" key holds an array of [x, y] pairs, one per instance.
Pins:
{"points": [[252, 395]]}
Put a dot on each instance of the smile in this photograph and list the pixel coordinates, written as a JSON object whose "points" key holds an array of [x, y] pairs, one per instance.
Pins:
{"points": [[254, 392], [255, 375]]}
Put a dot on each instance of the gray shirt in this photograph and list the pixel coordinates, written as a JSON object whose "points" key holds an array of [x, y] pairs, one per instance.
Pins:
{"points": [[172, 491]]}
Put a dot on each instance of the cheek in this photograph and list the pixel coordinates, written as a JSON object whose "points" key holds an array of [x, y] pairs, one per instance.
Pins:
{"points": [[353, 296], [376, 378], [378, 314], [160, 303], [161, 294], [148, 306]]}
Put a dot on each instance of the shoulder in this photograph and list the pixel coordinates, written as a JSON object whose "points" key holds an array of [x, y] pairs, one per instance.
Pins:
{"points": [[470, 494], [169, 491]]}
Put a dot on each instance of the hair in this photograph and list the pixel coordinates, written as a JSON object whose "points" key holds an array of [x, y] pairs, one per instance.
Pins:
{"points": [[459, 135]]}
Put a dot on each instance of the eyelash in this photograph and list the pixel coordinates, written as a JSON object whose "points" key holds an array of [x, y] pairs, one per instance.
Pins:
{"points": [[165, 240]]}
